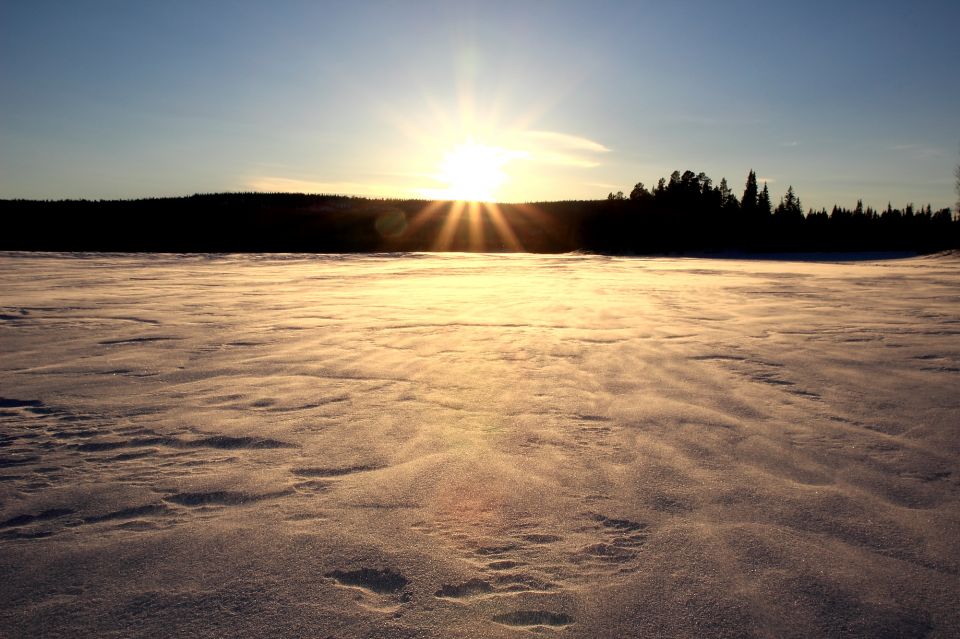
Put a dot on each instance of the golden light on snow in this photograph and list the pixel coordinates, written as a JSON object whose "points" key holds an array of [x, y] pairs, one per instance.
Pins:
{"points": [[467, 445]]}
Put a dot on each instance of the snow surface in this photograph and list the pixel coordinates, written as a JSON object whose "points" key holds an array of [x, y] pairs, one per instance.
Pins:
{"points": [[478, 446]]}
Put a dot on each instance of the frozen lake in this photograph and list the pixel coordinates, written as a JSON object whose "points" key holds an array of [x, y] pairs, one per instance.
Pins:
{"points": [[478, 446]]}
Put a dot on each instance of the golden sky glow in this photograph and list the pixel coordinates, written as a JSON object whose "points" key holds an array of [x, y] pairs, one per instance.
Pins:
{"points": [[370, 98], [491, 164], [472, 149]]}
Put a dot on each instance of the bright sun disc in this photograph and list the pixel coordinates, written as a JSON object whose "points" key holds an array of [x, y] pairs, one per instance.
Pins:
{"points": [[473, 172]]}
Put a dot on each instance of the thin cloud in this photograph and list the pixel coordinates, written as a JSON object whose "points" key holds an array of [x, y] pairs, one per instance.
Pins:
{"points": [[562, 159], [566, 141], [604, 185], [560, 149]]}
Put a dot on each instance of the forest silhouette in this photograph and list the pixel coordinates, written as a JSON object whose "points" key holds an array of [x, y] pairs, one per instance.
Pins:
{"points": [[684, 213]]}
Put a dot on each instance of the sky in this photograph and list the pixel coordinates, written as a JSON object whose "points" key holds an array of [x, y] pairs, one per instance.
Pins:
{"points": [[516, 101]]}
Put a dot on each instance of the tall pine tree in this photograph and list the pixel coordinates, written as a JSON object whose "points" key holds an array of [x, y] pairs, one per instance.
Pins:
{"points": [[728, 201], [790, 206], [763, 203], [748, 203]]}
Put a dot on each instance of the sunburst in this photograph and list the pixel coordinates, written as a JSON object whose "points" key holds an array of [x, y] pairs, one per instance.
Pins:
{"points": [[472, 172]]}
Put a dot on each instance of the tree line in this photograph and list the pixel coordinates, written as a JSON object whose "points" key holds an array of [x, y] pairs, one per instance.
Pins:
{"points": [[688, 213], [682, 213]]}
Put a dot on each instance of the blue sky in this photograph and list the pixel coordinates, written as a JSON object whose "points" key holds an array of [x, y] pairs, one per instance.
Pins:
{"points": [[125, 99]]}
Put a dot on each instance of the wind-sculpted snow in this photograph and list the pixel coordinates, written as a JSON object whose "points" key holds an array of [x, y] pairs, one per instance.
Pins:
{"points": [[478, 446]]}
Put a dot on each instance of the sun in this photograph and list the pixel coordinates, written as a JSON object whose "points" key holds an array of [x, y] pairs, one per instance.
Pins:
{"points": [[472, 172]]}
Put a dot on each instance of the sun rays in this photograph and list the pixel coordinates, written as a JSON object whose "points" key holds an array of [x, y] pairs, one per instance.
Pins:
{"points": [[458, 225], [468, 152], [484, 144]]}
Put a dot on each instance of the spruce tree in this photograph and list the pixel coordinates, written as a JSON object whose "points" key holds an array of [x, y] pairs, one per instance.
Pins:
{"points": [[790, 206], [748, 203], [763, 203]]}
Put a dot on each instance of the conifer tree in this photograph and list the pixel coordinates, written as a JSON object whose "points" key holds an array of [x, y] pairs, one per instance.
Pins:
{"points": [[790, 206], [728, 201], [763, 203], [724, 190], [639, 192], [748, 203]]}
